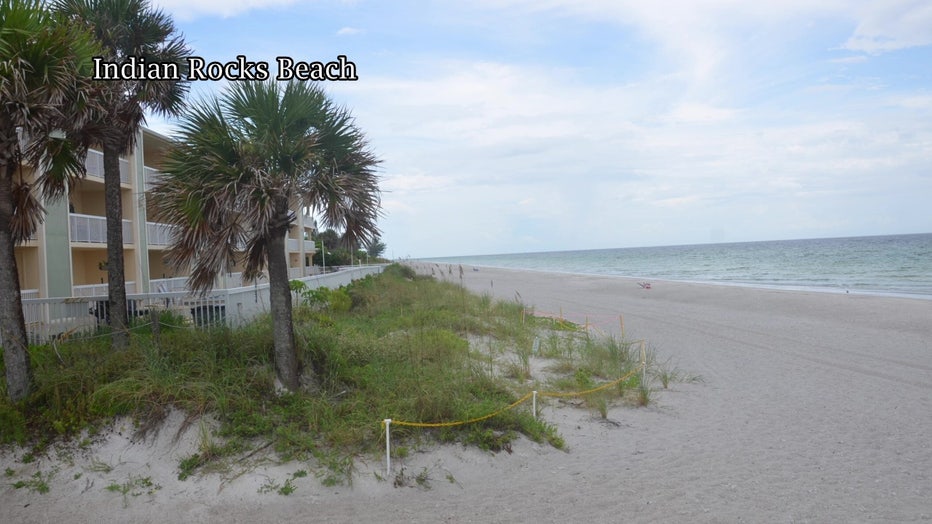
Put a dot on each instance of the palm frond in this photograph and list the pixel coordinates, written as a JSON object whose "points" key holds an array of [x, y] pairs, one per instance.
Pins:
{"points": [[27, 212], [244, 159]]}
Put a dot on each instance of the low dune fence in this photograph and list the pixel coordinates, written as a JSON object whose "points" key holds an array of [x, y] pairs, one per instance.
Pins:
{"points": [[532, 396]]}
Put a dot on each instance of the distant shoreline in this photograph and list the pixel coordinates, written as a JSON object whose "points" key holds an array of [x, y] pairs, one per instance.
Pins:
{"points": [[775, 287], [895, 265]]}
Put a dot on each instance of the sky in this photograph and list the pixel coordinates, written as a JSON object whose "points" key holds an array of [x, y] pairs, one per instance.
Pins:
{"points": [[517, 126]]}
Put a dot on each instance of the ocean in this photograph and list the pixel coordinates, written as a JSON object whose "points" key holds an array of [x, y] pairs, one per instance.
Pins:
{"points": [[899, 265]]}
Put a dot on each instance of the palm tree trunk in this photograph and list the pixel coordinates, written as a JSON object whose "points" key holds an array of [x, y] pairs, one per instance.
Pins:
{"points": [[116, 276], [286, 357], [19, 380]]}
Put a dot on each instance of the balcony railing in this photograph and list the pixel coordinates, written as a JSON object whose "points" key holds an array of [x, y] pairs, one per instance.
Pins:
{"points": [[294, 245], [309, 246], [95, 290], [29, 293], [159, 234], [152, 176], [90, 228], [95, 166], [168, 285]]}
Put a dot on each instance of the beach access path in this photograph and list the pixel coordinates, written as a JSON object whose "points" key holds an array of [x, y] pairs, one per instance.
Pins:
{"points": [[813, 407]]}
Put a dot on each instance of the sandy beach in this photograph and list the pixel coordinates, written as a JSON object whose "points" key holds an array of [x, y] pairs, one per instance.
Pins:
{"points": [[813, 407]]}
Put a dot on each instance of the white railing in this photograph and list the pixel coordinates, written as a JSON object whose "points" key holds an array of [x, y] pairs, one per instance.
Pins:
{"points": [[90, 290], [159, 234], [152, 176], [91, 228], [309, 246], [94, 163], [78, 317], [48, 318], [29, 293], [167, 285], [292, 245], [74, 317]]}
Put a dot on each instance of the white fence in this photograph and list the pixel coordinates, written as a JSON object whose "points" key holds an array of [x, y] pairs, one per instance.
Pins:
{"points": [[165, 285], [93, 290], [50, 318], [90, 228], [159, 234], [94, 163], [152, 177]]}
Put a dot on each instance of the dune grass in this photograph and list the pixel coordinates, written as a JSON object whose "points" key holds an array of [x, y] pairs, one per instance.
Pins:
{"points": [[396, 345]]}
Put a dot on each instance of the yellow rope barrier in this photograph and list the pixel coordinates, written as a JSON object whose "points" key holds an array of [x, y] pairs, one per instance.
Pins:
{"points": [[462, 422], [513, 405], [593, 390], [386, 423]]}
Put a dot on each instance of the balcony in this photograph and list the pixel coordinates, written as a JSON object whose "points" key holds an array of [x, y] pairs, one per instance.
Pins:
{"points": [[93, 229], [152, 177], [98, 290], [293, 245], [95, 166], [159, 234], [168, 285]]}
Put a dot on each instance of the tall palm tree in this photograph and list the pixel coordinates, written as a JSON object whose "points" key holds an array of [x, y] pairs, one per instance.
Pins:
{"points": [[241, 163], [44, 78], [126, 29]]}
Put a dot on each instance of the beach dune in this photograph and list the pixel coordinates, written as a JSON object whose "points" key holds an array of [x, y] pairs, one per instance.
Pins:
{"points": [[813, 407]]}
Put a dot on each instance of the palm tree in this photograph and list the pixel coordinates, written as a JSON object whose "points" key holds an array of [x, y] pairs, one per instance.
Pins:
{"points": [[126, 29], [376, 248], [44, 73], [241, 163]]}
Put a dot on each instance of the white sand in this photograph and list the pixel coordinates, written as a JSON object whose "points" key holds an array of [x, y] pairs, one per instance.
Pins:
{"points": [[814, 408]]}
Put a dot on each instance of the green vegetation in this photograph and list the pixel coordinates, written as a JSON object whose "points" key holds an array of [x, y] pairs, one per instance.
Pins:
{"points": [[272, 486], [38, 482], [133, 487], [396, 346]]}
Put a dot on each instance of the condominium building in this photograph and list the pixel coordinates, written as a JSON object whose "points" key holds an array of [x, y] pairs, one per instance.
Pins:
{"points": [[68, 254]]}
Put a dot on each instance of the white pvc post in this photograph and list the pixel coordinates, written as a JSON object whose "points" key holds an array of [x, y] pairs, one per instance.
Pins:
{"points": [[534, 404], [388, 448]]}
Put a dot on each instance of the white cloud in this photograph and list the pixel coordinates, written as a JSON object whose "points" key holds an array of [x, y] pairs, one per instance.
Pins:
{"points": [[349, 31], [913, 101], [700, 113], [190, 9], [503, 147], [891, 25]]}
